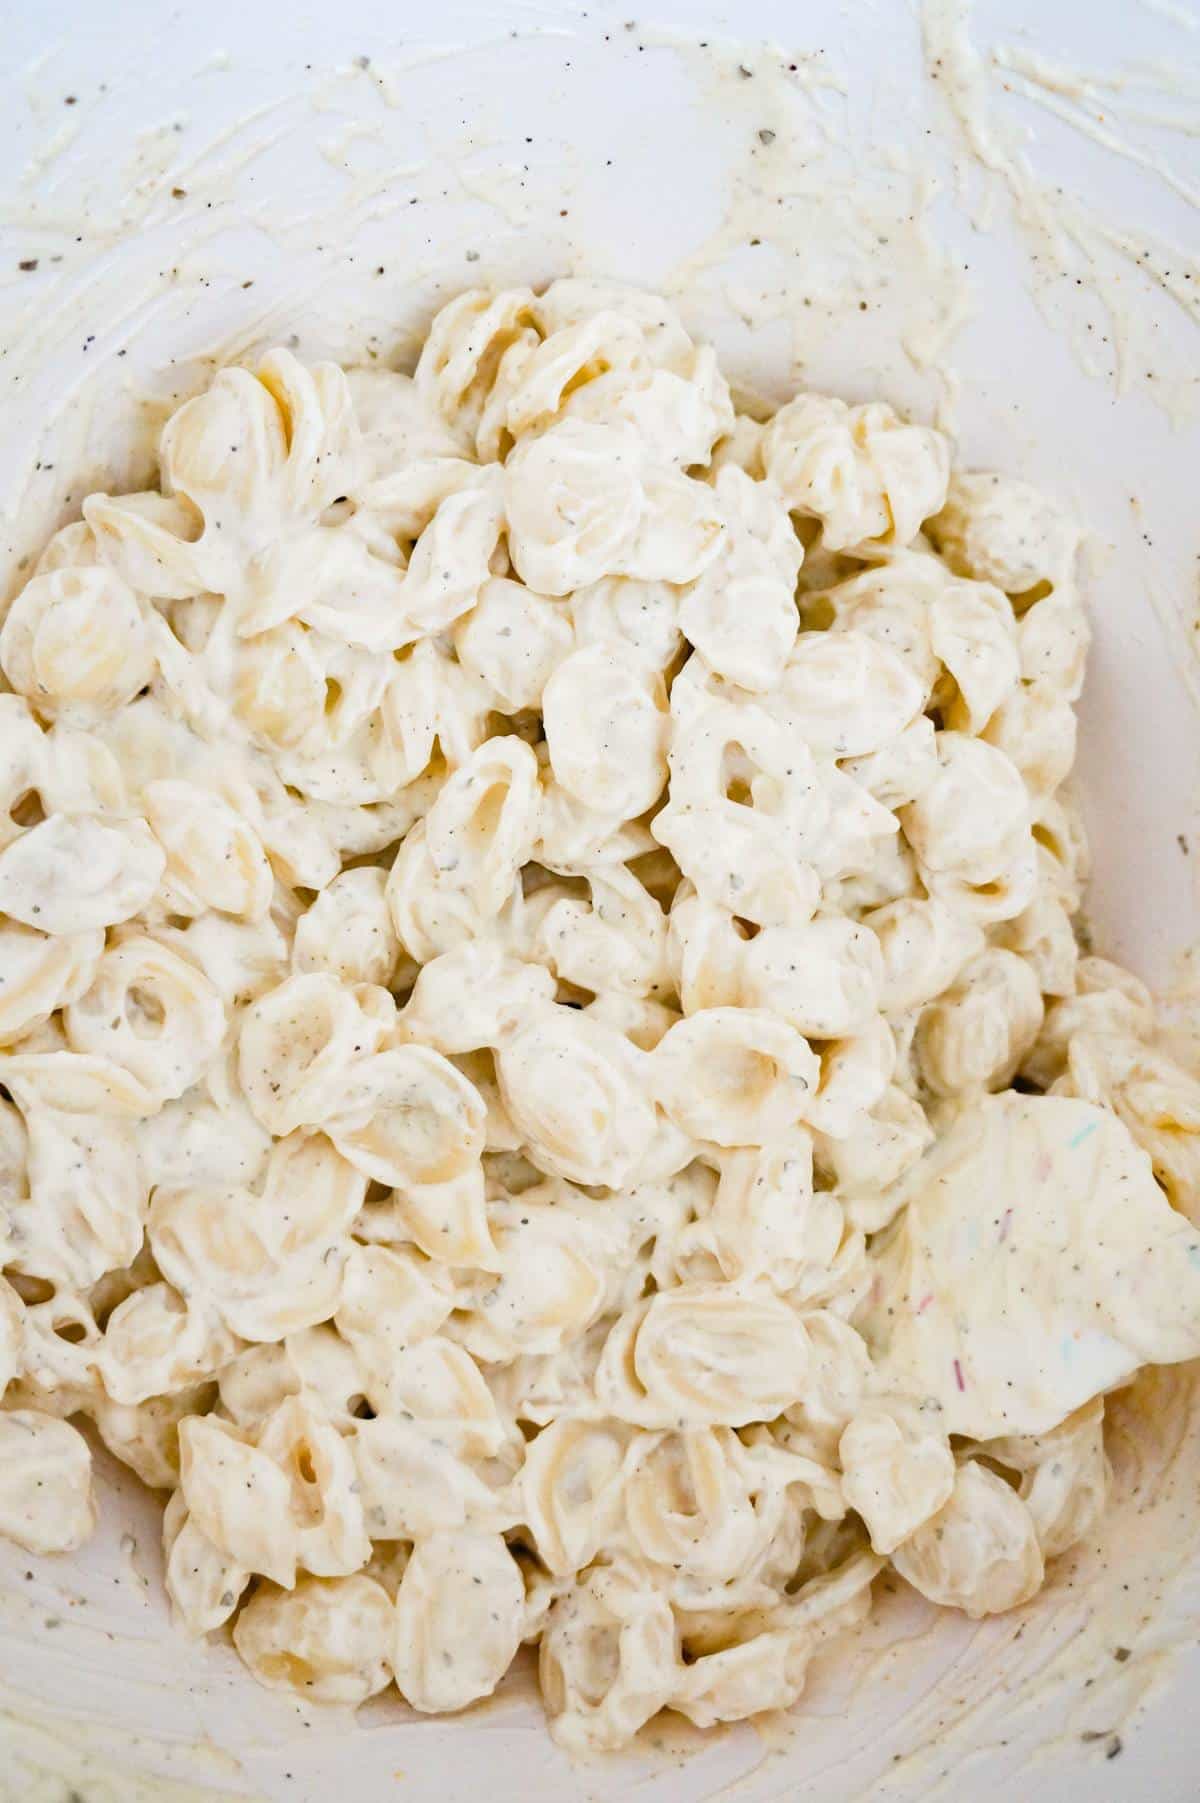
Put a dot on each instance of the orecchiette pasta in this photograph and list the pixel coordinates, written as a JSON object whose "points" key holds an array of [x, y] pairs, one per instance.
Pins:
{"points": [[577, 1094], [513, 640], [75, 642], [737, 1076], [329, 1638], [608, 1657], [1064, 1476], [860, 471], [1053, 638], [42, 972], [823, 977], [407, 1118], [256, 452], [616, 941], [74, 873], [269, 1260], [474, 996], [45, 1482], [979, 1553], [325, 1502], [549, 1090], [154, 1344], [204, 1584], [965, 822], [586, 500], [924, 944], [845, 694], [1001, 530], [145, 1435], [214, 857], [641, 617], [771, 1664], [151, 1012], [703, 1353], [80, 1207], [460, 1617], [572, 1490], [606, 724], [767, 1220], [554, 1265], [391, 1298], [740, 613], [238, 1497], [413, 1484], [690, 1500], [348, 931], [898, 1470], [739, 820], [977, 1033], [457, 867], [300, 1039]]}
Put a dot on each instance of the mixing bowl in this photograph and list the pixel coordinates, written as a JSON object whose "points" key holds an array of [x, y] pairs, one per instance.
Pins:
{"points": [[984, 219]]}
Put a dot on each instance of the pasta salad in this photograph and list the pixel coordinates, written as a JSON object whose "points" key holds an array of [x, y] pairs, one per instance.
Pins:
{"points": [[550, 1089]]}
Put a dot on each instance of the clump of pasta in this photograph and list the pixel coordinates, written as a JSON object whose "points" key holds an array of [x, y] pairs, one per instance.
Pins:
{"points": [[549, 1091]]}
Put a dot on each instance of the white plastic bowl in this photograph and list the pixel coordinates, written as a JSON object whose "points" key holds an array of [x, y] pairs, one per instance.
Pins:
{"points": [[192, 184]]}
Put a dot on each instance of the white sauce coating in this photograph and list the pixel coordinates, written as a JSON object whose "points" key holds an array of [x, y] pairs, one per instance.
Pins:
{"points": [[510, 1024]]}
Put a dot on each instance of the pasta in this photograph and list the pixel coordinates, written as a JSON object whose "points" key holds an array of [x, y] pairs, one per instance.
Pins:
{"points": [[549, 1092]]}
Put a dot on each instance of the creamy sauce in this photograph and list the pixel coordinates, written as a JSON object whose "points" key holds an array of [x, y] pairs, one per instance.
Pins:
{"points": [[1070, 247], [829, 242]]}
